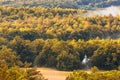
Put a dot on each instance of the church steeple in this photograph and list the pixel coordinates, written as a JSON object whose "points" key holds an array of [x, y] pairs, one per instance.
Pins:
{"points": [[85, 60]]}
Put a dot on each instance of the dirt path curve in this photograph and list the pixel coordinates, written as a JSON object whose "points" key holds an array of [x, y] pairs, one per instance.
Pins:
{"points": [[52, 74]]}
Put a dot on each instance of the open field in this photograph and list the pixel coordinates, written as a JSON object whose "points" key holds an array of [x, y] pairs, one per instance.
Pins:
{"points": [[53, 74]]}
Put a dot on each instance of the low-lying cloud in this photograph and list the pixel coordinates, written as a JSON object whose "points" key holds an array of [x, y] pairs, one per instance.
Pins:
{"points": [[113, 10]]}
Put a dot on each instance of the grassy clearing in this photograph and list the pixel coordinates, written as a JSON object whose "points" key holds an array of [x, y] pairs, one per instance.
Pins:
{"points": [[53, 74]]}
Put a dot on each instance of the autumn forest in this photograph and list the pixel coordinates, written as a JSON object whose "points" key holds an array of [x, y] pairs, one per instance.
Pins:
{"points": [[57, 38]]}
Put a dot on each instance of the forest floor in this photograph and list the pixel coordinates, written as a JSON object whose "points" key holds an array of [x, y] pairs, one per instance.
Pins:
{"points": [[53, 74]]}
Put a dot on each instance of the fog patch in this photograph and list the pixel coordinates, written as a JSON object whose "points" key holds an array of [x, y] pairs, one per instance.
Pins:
{"points": [[113, 10]]}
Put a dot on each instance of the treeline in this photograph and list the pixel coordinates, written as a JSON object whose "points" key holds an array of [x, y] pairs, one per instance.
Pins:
{"points": [[66, 55], [59, 38], [10, 67], [106, 75], [50, 23], [82, 4]]}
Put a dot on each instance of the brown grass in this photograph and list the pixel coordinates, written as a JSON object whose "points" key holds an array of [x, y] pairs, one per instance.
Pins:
{"points": [[53, 74]]}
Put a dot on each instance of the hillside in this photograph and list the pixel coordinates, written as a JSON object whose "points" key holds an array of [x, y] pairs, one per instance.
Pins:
{"points": [[39, 43], [59, 38], [83, 4]]}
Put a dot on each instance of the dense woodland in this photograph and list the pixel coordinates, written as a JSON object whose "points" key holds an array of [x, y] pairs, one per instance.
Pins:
{"points": [[97, 75], [76, 4], [57, 38]]}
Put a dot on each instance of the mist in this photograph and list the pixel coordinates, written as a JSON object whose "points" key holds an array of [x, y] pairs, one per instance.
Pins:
{"points": [[113, 36], [113, 10]]}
